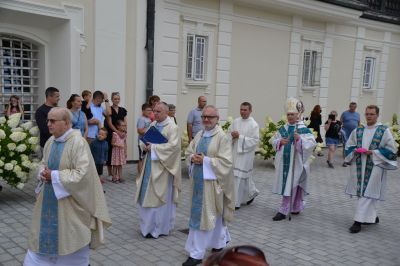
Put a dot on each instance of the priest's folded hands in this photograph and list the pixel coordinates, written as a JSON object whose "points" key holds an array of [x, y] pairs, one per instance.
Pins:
{"points": [[197, 158], [45, 175]]}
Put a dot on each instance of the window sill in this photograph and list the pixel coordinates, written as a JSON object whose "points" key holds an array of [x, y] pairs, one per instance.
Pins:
{"points": [[197, 84], [368, 90], [310, 89]]}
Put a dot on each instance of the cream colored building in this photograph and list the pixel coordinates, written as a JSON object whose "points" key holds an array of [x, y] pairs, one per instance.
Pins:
{"points": [[231, 51]]}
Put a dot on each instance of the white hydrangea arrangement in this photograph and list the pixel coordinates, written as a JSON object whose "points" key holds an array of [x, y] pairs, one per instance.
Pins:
{"points": [[18, 142], [266, 150]]}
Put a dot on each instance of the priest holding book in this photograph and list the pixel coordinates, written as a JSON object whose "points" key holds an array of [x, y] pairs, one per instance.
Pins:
{"points": [[159, 183]]}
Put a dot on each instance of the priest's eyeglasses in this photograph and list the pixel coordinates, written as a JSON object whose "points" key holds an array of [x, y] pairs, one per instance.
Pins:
{"points": [[242, 255], [209, 117]]}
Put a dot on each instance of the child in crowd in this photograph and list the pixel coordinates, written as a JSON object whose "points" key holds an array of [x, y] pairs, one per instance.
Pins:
{"points": [[119, 151], [153, 100], [142, 125], [87, 98], [99, 149]]}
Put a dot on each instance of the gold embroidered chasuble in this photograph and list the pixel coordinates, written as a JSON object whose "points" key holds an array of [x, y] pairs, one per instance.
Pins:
{"points": [[218, 195], [168, 164], [83, 214]]}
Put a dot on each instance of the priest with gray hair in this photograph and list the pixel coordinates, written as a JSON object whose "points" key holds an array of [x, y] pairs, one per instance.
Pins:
{"points": [[159, 183], [70, 213]]}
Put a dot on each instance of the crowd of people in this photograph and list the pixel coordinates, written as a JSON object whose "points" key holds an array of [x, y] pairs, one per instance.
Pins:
{"points": [[71, 214]]}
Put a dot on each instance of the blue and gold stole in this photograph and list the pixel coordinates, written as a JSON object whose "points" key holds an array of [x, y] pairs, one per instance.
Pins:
{"points": [[198, 185], [376, 140], [48, 236], [288, 147], [147, 171]]}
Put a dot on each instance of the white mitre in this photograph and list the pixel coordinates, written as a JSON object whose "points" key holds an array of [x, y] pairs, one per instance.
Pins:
{"points": [[294, 105]]}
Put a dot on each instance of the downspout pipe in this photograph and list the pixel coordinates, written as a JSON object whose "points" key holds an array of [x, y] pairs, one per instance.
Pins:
{"points": [[150, 21]]}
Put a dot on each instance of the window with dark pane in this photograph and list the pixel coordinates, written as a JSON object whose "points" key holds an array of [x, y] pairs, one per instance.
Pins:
{"points": [[19, 73]]}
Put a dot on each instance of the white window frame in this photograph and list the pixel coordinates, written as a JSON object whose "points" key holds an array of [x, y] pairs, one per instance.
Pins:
{"points": [[311, 78], [311, 64], [369, 72], [370, 64], [19, 73], [196, 57], [197, 26]]}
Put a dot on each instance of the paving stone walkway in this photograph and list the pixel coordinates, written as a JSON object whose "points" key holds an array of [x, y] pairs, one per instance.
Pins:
{"points": [[318, 236]]}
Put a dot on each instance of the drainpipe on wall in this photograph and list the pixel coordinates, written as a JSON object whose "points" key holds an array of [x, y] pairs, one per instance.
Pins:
{"points": [[150, 46]]}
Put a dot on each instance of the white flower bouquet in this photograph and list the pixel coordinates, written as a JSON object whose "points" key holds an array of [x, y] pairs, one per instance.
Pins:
{"points": [[266, 150], [17, 145]]}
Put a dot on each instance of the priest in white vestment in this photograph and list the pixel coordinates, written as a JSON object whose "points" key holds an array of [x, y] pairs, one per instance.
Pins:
{"points": [[294, 144], [212, 188], [159, 183], [244, 132], [373, 150], [70, 212]]}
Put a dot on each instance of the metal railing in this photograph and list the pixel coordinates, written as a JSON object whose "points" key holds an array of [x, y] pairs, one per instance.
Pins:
{"points": [[381, 10]]}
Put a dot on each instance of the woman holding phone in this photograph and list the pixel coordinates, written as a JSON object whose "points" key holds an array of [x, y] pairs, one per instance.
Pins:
{"points": [[332, 136]]}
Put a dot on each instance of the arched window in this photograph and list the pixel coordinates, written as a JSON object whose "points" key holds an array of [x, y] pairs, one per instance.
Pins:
{"points": [[19, 73]]}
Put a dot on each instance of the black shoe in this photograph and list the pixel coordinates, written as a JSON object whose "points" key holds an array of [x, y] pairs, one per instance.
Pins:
{"points": [[344, 164], [149, 236], [355, 228], [330, 164], [250, 201], [295, 213], [237, 208], [191, 262], [320, 154], [214, 250], [376, 221], [279, 216]]}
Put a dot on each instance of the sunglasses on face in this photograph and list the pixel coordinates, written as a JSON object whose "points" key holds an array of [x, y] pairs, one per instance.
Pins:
{"points": [[209, 117]]}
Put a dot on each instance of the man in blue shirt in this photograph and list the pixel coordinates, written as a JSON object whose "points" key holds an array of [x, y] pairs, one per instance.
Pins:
{"points": [[350, 120], [194, 123], [97, 121]]}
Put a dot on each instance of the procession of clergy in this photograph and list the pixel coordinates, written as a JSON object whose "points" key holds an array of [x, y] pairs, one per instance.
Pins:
{"points": [[71, 213]]}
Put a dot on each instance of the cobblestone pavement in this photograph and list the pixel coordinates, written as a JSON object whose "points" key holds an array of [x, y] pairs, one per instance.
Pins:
{"points": [[318, 236]]}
